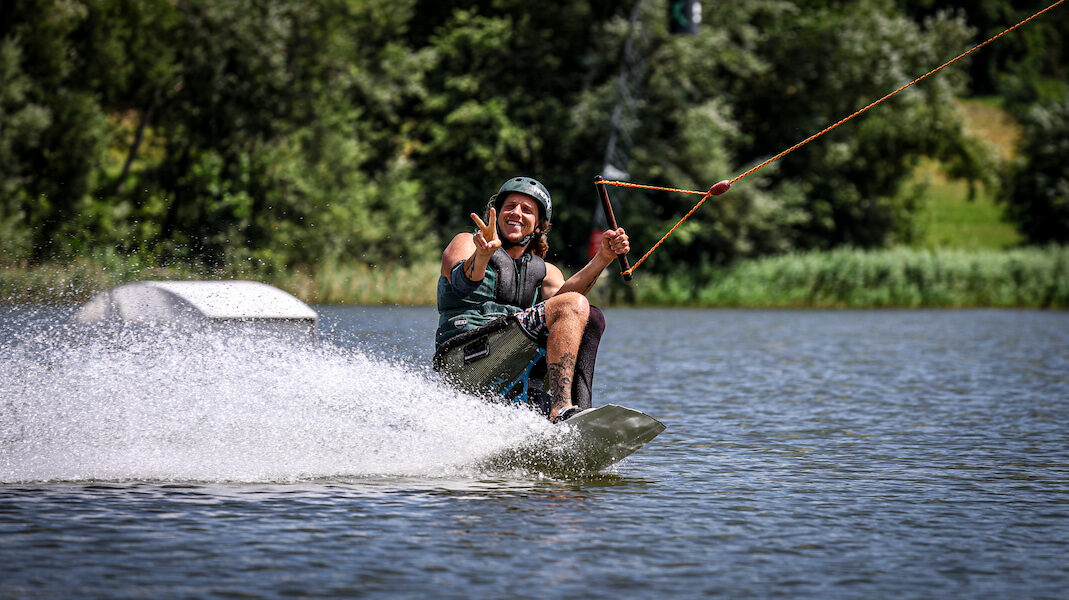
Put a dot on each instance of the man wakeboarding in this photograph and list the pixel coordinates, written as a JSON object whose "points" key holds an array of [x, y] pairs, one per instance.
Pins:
{"points": [[509, 324]]}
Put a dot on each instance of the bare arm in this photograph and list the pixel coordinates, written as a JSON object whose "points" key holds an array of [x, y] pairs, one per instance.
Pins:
{"points": [[614, 242], [475, 250]]}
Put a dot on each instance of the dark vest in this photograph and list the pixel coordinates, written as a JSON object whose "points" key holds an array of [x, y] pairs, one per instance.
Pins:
{"points": [[508, 287], [518, 281]]}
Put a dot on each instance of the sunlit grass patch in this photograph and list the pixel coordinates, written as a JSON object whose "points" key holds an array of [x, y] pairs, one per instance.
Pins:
{"points": [[950, 216]]}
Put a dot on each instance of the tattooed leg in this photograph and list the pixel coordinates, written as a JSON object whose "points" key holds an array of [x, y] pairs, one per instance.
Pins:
{"points": [[560, 381], [566, 317]]}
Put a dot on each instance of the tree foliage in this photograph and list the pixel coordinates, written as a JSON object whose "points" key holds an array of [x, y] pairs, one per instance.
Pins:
{"points": [[1031, 65], [208, 132], [280, 134], [1037, 190]]}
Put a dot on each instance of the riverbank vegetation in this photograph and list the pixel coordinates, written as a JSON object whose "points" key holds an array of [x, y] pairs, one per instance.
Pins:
{"points": [[1034, 277], [897, 278], [331, 147]]}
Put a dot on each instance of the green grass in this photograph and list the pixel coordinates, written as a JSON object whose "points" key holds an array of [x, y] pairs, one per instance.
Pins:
{"points": [[949, 217], [355, 283], [363, 284], [900, 277], [896, 278], [78, 280]]}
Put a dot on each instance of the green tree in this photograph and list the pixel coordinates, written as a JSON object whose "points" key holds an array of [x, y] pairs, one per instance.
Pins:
{"points": [[503, 80], [256, 130], [53, 125], [1030, 65], [822, 64], [275, 134], [767, 76], [685, 136], [23, 122], [1036, 192]]}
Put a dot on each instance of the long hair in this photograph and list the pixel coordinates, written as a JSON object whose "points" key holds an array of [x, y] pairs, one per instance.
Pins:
{"points": [[540, 244]]}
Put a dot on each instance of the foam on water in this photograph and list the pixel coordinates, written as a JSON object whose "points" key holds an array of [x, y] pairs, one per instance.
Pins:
{"points": [[171, 404]]}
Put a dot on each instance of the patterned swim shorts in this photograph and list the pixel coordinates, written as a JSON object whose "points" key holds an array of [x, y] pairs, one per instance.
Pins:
{"points": [[533, 321]]}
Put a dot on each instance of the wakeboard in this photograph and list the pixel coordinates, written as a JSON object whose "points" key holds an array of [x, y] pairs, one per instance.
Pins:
{"points": [[590, 441]]}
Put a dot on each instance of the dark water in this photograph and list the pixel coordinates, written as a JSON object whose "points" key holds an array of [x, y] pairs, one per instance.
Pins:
{"points": [[891, 454]]}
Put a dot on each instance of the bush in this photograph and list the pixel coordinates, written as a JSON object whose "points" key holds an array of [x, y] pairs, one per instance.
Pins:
{"points": [[1037, 190], [1035, 277]]}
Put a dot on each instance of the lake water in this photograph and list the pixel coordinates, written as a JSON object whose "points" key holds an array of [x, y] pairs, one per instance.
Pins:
{"points": [[838, 454]]}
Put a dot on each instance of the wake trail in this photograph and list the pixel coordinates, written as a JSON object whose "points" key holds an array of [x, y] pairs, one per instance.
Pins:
{"points": [[185, 405]]}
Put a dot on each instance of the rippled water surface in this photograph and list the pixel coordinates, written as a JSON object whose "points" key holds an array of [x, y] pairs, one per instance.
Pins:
{"points": [[904, 454]]}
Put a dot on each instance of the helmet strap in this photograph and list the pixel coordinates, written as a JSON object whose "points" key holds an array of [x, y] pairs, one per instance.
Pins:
{"points": [[523, 242]]}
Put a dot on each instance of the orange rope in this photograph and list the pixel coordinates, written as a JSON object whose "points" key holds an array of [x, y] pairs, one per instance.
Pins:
{"points": [[808, 139], [648, 187]]}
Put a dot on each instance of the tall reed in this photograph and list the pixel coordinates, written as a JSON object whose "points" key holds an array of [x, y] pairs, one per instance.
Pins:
{"points": [[359, 283], [901, 277]]}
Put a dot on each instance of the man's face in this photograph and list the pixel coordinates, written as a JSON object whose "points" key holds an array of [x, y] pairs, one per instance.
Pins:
{"points": [[518, 218]]}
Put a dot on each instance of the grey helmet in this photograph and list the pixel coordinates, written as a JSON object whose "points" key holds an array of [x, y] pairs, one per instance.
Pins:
{"points": [[529, 187]]}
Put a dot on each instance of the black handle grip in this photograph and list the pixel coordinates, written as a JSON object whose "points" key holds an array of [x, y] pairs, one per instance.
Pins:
{"points": [[607, 207]]}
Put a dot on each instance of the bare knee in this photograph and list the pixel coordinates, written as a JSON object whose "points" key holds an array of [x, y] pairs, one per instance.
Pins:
{"points": [[571, 306]]}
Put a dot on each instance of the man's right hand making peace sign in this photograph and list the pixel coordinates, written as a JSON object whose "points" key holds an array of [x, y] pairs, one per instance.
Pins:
{"points": [[486, 242]]}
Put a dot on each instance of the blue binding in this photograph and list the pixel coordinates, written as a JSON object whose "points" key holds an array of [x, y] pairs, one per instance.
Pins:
{"points": [[523, 396]]}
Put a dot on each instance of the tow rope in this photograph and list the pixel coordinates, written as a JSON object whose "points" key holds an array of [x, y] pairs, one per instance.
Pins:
{"points": [[723, 186]]}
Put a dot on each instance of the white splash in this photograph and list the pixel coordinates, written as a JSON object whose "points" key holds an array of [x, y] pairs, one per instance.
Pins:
{"points": [[224, 406]]}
